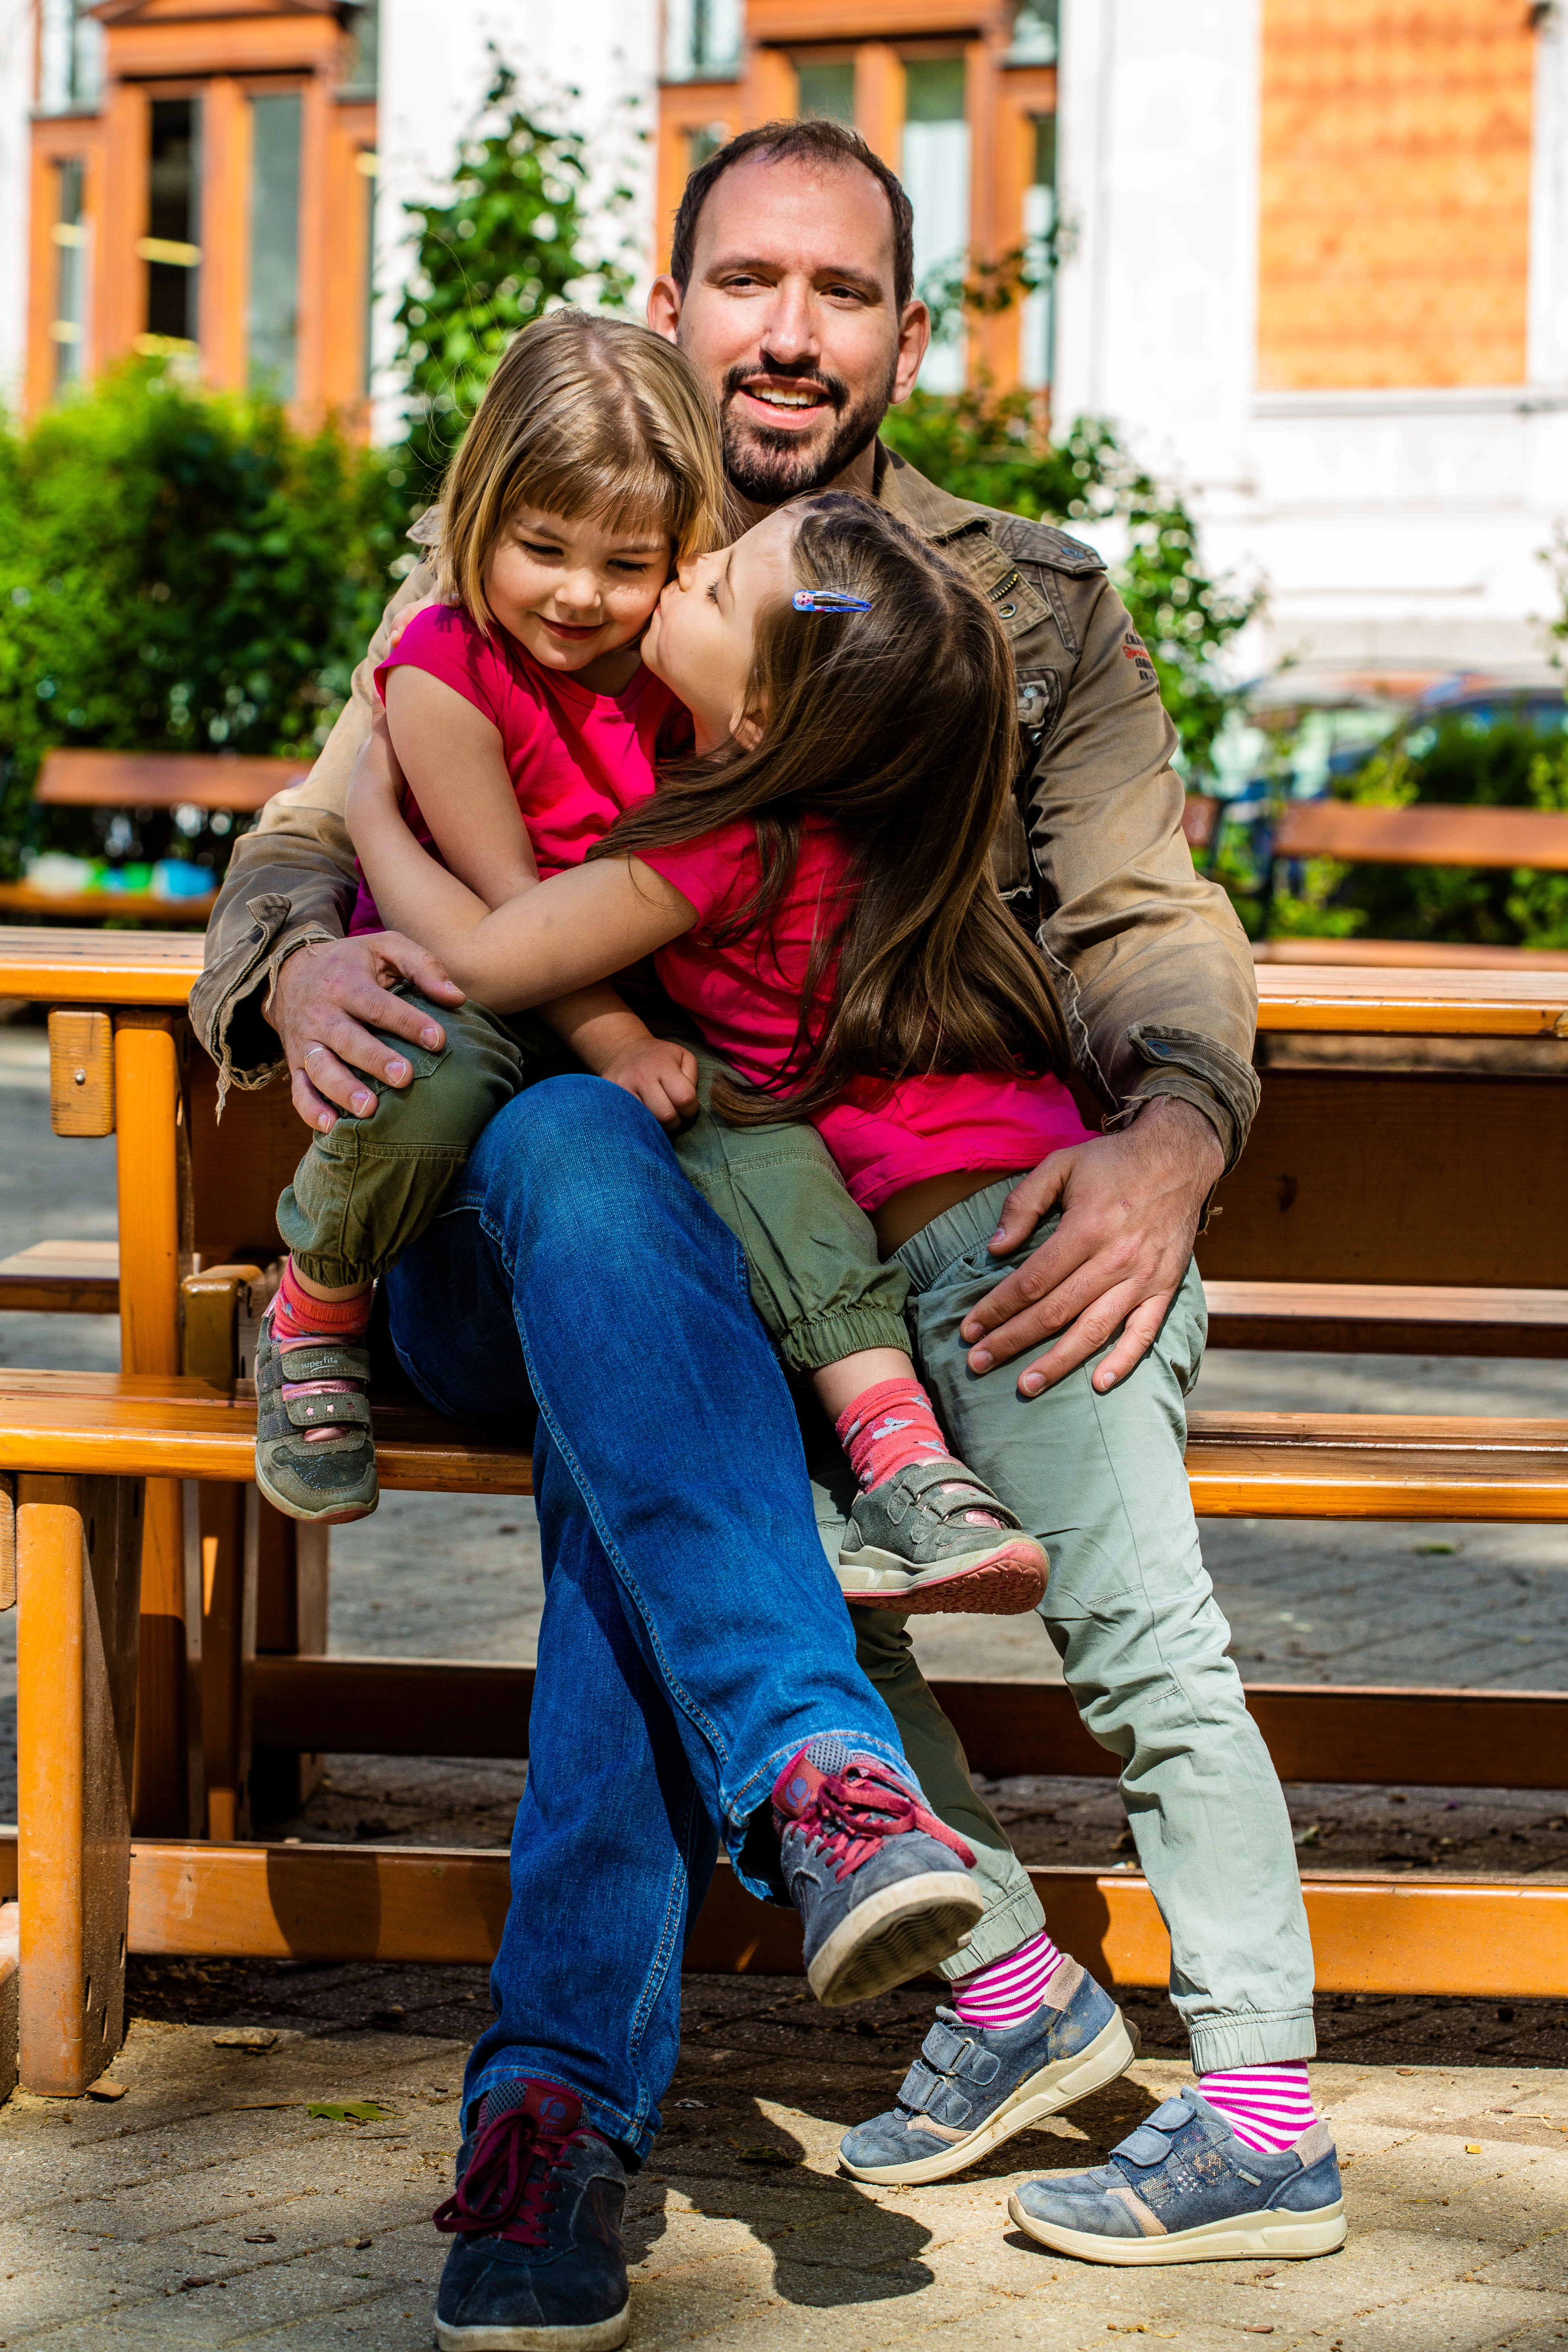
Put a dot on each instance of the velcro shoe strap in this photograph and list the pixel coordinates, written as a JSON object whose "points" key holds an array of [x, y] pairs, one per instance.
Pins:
{"points": [[920, 2087], [339, 1409], [942, 2048], [950, 2107], [1147, 2145], [945, 1489], [325, 1360]]}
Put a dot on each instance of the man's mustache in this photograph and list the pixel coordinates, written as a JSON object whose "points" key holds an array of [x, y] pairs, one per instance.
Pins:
{"points": [[833, 389]]}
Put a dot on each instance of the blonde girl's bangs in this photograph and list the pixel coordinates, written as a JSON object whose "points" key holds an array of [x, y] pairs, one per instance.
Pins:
{"points": [[584, 416]]}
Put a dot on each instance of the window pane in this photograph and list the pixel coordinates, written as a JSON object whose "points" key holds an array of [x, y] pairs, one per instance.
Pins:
{"points": [[827, 91], [936, 176], [1037, 327], [173, 219], [274, 244], [70, 45], [701, 37], [70, 273]]}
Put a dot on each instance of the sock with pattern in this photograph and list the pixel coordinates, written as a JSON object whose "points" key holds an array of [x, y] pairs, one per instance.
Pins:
{"points": [[297, 1316], [1268, 2108], [1005, 1992]]}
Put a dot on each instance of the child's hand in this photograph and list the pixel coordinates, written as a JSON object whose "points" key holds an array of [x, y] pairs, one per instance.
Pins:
{"points": [[662, 1077]]}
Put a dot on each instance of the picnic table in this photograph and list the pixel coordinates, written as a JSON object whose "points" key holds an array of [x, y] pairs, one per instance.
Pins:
{"points": [[1432, 1196]]}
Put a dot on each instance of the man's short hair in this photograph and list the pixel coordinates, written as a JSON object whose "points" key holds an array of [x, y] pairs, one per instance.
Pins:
{"points": [[814, 141]]}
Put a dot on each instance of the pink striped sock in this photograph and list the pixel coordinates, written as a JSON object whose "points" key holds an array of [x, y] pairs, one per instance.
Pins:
{"points": [[1005, 1992], [1268, 2108]]}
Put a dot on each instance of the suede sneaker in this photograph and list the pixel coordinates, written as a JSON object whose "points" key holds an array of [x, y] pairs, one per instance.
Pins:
{"points": [[973, 2086], [882, 1886], [538, 2263], [315, 1457], [1183, 2189], [934, 1537]]}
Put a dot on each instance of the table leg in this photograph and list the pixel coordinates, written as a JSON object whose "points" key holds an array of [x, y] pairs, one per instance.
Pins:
{"points": [[149, 1119], [78, 1543]]}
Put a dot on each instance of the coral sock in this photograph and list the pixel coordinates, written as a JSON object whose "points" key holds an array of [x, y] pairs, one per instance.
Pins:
{"points": [[1268, 2108], [887, 1429], [297, 1316], [1007, 1991]]}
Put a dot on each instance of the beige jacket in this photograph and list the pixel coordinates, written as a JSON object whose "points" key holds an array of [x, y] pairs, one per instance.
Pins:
{"points": [[1154, 970]]}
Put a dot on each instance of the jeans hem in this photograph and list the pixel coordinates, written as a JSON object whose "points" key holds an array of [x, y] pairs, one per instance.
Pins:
{"points": [[606, 2119], [811, 1344], [998, 1931], [756, 1791], [1256, 2038]]}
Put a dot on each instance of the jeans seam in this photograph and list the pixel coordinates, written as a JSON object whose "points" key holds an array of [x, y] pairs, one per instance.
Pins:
{"points": [[590, 1503]]}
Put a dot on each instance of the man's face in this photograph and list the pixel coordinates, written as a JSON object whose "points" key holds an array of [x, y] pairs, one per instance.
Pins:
{"points": [[790, 315]]}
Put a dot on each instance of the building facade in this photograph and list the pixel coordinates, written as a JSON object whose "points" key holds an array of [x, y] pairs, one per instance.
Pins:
{"points": [[1311, 257]]}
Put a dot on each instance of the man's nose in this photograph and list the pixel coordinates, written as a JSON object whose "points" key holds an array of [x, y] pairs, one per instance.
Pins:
{"points": [[790, 336]]}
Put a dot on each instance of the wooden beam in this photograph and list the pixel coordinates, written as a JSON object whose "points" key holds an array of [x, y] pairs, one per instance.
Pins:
{"points": [[1385, 1318], [1414, 1738], [1481, 1939], [1348, 999], [62, 1277]]}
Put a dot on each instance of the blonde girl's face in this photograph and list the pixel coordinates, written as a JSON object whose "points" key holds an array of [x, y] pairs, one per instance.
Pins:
{"points": [[699, 639], [575, 594]]}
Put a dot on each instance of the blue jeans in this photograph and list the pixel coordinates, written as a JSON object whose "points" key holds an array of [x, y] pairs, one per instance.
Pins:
{"points": [[575, 1272]]}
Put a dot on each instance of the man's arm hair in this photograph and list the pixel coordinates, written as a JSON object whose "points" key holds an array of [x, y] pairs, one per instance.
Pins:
{"points": [[291, 881]]}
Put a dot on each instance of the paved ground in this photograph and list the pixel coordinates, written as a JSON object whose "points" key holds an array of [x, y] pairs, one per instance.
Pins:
{"points": [[192, 2212]]}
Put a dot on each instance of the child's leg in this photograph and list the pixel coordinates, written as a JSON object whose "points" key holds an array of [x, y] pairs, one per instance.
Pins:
{"points": [[925, 1534], [363, 1192]]}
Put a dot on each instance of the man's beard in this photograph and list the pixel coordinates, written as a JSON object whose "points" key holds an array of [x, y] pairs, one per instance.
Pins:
{"points": [[768, 465]]}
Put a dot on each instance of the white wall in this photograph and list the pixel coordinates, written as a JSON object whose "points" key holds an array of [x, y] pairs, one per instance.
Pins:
{"points": [[17, 36], [433, 68], [1390, 528]]}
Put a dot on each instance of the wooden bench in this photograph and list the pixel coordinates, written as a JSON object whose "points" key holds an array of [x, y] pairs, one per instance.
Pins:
{"points": [[147, 781], [75, 1447]]}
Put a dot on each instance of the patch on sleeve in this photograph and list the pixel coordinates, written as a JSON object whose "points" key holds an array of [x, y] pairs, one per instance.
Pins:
{"points": [[1135, 650]]}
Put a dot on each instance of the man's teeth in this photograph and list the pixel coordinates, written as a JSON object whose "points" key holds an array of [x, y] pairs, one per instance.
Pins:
{"points": [[788, 399]]}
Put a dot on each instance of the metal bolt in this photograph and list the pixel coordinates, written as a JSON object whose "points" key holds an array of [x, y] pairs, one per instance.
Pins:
{"points": [[78, 1077]]}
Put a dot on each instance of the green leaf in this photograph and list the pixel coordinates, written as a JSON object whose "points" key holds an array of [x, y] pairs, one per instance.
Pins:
{"points": [[348, 2111]]}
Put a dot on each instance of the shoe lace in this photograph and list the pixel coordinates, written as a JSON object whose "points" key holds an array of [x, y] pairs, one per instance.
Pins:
{"points": [[511, 2186], [852, 1813]]}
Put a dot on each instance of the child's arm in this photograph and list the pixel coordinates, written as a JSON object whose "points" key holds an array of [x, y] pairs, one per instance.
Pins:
{"points": [[608, 1038], [452, 757], [554, 940]]}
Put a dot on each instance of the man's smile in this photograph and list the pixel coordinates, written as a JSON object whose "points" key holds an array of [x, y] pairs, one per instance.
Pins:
{"points": [[785, 402]]}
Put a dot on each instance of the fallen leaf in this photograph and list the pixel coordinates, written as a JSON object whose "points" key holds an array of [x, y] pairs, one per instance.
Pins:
{"points": [[106, 2087], [262, 2106], [1472, 2147], [769, 2156], [348, 2111], [255, 2038]]}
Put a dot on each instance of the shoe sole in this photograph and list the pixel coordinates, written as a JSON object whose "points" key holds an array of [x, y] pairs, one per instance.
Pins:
{"points": [[1295, 2237], [599, 2335], [330, 1518], [1040, 2095], [1003, 1580], [895, 1935]]}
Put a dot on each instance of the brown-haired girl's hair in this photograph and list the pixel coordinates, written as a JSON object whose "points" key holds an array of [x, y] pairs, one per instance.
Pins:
{"points": [[584, 416], [899, 724]]}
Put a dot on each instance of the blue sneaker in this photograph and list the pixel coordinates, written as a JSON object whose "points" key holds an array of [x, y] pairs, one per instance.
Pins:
{"points": [[882, 1886], [973, 2086], [538, 2265], [1183, 2189]]}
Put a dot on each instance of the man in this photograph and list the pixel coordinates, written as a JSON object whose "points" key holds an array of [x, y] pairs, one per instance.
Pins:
{"points": [[790, 290]]}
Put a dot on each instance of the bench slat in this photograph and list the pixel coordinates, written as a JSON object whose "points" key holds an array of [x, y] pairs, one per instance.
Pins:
{"points": [[1429, 834], [1351, 1317], [163, 779]]}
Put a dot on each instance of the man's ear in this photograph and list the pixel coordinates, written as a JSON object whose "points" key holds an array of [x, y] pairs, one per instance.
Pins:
{"points": [[914, 336], [664, 307]]}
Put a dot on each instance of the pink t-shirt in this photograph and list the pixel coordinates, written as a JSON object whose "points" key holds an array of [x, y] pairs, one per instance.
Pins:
{"points": [[576, 758], [745, 999]]}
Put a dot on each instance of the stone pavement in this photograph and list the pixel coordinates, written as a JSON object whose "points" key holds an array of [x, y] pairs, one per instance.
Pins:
{"points": [[208, 2206]]}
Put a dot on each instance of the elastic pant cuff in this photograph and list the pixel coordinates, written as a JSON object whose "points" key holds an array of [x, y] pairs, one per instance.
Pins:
{"points": [[337, 1272], [997, 1932], [809, 1346], [1259, 2037]]}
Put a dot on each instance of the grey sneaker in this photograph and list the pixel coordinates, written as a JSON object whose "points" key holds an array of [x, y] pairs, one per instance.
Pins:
{"points": [[882, 1886], [913, 1544], [305, 1385], [1183, 2189], [973, 2086]]}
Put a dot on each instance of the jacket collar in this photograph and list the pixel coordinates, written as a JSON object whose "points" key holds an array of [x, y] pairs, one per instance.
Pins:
{"points": [[936, 514]]}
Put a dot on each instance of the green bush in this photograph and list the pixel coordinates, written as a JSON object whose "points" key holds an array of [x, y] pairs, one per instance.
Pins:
{"points": [[987, 447], [180, 572]]}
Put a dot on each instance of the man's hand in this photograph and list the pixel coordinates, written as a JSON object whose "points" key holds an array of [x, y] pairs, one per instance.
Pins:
{"points": [[1130, 1203], [661, 1075], [325, 999]]}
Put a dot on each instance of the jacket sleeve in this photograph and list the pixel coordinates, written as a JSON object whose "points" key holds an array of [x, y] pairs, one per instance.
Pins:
{"points": [[291, 881], [1153, 967]]}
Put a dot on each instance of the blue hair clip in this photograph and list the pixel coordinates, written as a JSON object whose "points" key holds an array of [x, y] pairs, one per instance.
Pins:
{"points": [[828, 600]]}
